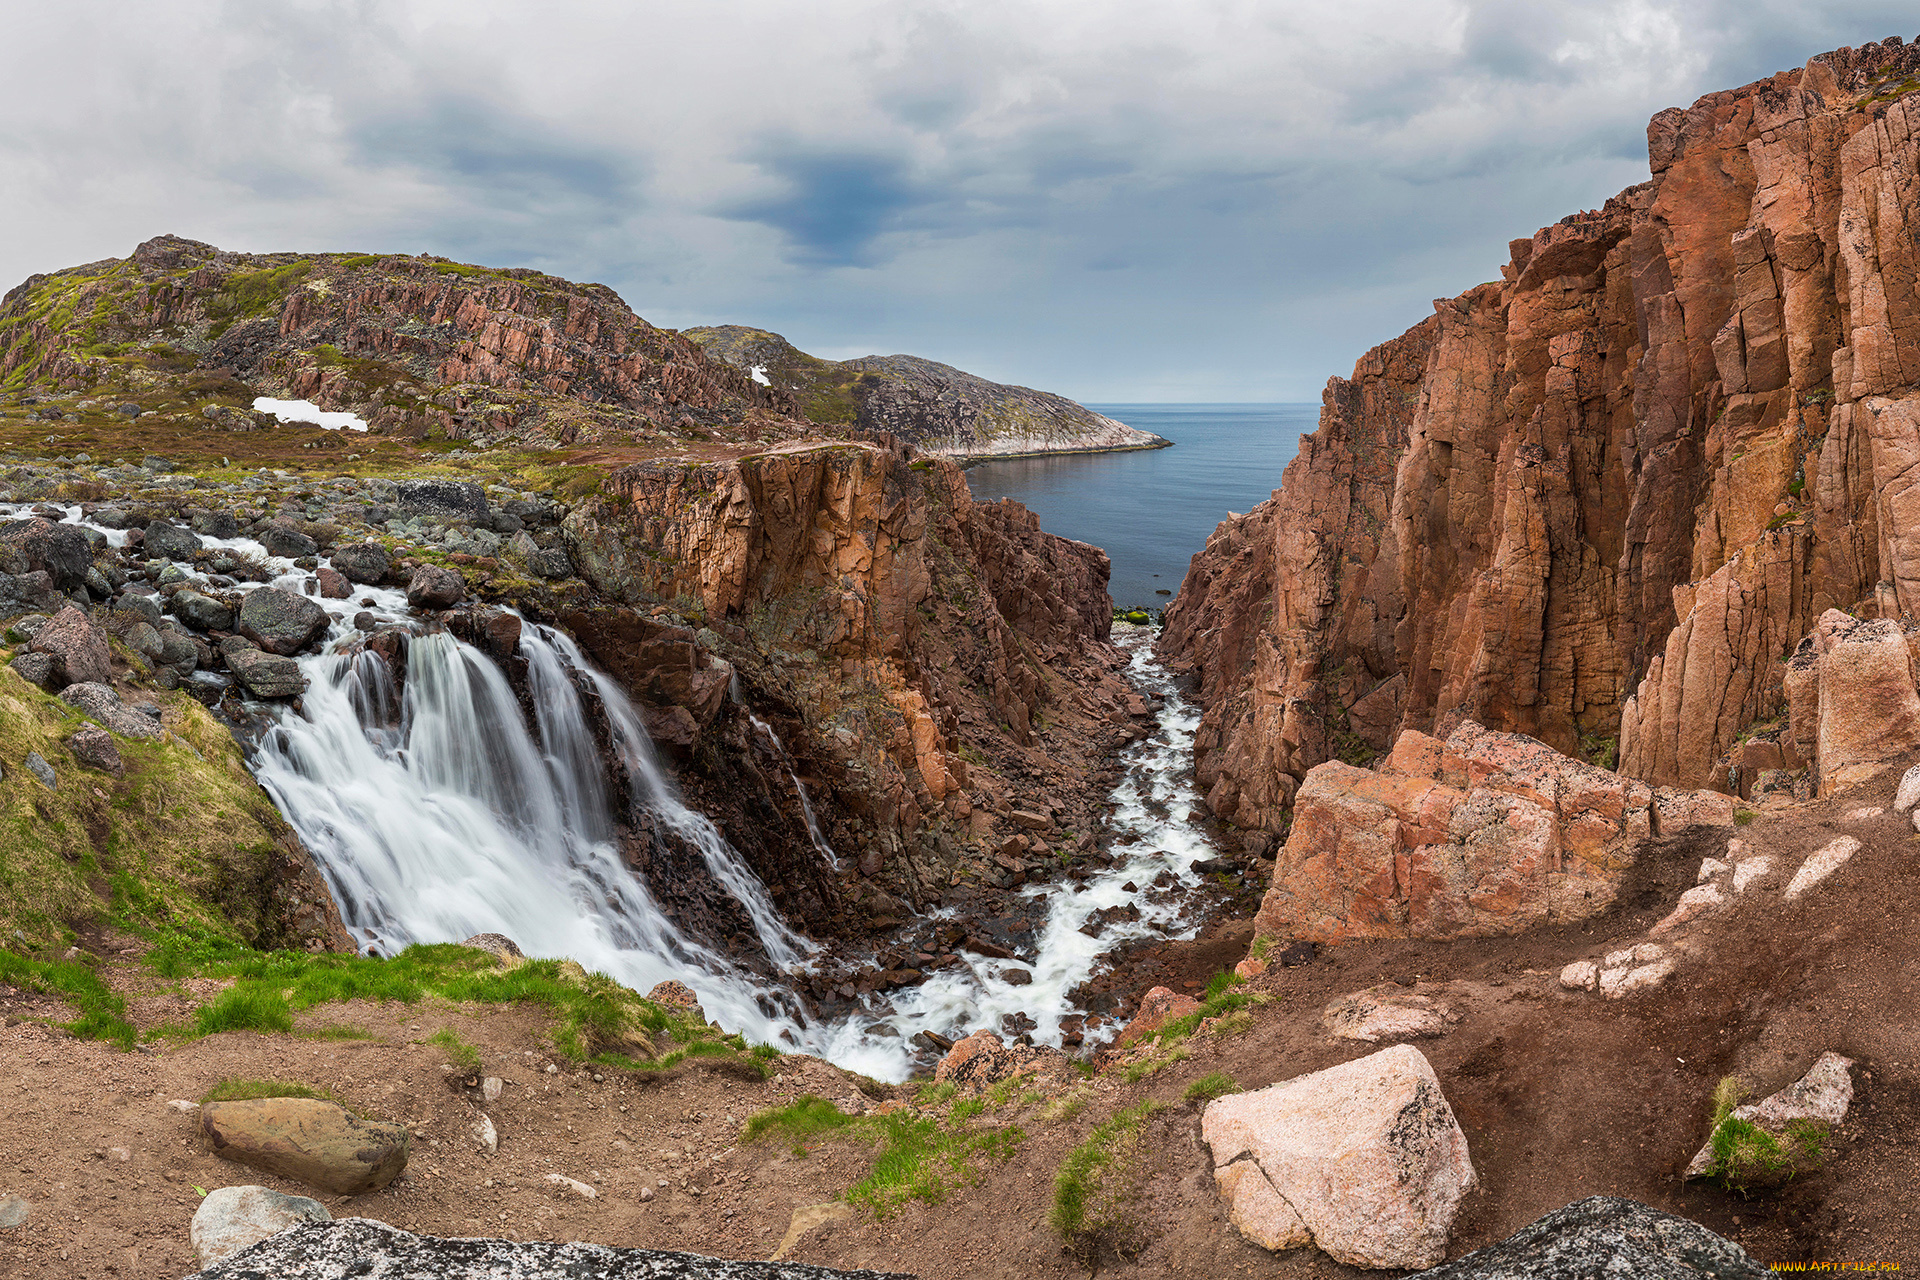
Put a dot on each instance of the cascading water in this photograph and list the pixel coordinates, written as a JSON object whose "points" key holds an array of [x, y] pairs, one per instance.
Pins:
{"points": [[436, 812]]}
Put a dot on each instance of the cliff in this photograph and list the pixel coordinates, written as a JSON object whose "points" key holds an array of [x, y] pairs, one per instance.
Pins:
{"points": [[933, 406], [1599, 500]]}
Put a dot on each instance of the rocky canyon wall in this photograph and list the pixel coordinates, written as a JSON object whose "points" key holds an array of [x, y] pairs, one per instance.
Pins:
{"points": [[1599, 501]]}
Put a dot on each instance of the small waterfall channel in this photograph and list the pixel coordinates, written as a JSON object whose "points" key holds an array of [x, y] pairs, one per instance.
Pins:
{"points": [[437, 811]]}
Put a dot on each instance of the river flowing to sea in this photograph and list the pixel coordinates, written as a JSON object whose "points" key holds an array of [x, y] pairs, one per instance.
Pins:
{"points": [[1151, 509]]}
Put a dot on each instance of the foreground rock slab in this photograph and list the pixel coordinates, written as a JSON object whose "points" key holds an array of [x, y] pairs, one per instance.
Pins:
{"points": [[1364, 1160], [362, 1247], [320, 1143], [232, 1218], [1605, 1236]]}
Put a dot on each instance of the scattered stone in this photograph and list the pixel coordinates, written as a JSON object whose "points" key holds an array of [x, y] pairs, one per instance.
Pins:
{"points": [[1822, 863], [1867, 814], [1908, 794], [1364, 1160], [282, 539], [13, 1212], [1694, 903], [77, 647], [319, 1143], [485, 1134], [1712, 869], [1610, 1237], [34, 668], [1385, 1012], [170, 542], [1634, 969], [553, 562], [435, 587], [983, 1059], [646, 1194], [38, 545], [490, 1088], [677, 995], [505, 949], [333, 586], [101, 704], [181, 1104], [39, 768], [442, 498], [564, 1183], [1017, 977], [1581, 975], [368, 563], [1749, 870], [281, 622], [1158, 1007], [265, 675], [1823, 1094], [362, 1247], [232, 1218], [201, 612]]}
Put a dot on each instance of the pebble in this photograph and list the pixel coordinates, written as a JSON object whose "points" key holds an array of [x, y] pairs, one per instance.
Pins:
{"points": [[181, 1104], [13, 1211], [490, 1088], [578, 1188]]}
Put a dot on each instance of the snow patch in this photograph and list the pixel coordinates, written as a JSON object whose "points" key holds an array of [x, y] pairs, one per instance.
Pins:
{"points": [[759, 374], [308, 411]]}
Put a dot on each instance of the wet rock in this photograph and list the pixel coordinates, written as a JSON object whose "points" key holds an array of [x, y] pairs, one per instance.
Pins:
{"points": [[77, 647], [363, 562], [36, 545], [333, 586], [279, 621], [265, 675], [495, 632], [168, 541], [1158, 1007], [362, 1247], [202, 612], [139, 603], [1823, 1095], [319, 1143], [95, 749], [435, 587], [1016, 977], [216, 524], [1364, 1160], [101, 704], [282, 538], [232, 1218], [1605, 1236], [1385, 1012]]}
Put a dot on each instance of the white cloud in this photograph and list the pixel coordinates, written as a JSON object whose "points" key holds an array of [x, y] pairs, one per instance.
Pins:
{"points": [[1214, 199]]}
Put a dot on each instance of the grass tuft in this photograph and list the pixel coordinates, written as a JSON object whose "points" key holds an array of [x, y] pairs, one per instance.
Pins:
{"points": [[1094, 1186], [459, 1052], [1745, 1156], [1208, 1087], [237, 1089], [103, 1014]]}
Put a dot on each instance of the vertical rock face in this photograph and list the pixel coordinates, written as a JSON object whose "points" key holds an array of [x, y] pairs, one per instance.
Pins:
{"points": [[1599, 500]]}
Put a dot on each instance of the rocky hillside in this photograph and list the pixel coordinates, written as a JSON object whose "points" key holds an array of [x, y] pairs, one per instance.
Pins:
{"points": [[417, 346], [934, 406], [1600, 500]]}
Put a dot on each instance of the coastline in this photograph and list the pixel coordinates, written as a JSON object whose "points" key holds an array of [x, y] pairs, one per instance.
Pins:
{"points": [[966, 460]]}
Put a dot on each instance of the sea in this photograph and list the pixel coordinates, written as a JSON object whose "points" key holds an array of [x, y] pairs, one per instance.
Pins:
{"points": [[1150, 510]]}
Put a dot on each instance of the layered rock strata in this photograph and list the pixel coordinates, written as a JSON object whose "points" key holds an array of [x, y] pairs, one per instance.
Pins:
{"points": [[1486, 833], [1599, 500]]}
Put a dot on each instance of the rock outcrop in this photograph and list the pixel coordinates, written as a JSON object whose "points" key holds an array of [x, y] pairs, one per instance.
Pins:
{"points": [[1606, 1236], [1363, 1160], [360, 1246], [317, 1142], [1486, 833], [1599, 499], [933, 406]]}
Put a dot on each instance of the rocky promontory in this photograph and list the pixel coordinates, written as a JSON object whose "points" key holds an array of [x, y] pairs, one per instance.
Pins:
{"points": [[933, 406], [1600, 500]]}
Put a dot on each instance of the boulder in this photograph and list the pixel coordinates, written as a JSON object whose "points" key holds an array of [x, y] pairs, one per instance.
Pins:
{"points": [[435, 587], [553, 562], [1385, 1012], [34, 668], [1364, 1160], [279, 621], [1820, 864], [1610, 1237], [265, 675], [170, 542], [362, 1247], [333, 585], [283, 538], [38, 545], [1851, 699], [677, 995], [101, 704], [77, 647], [446, 499], [1158, 1007], [1823, 1096], [363, 562], [95, 749], [140, 603], [202, 612], [232, 1218], [495, 632], [319, 1143], [1484, 834], [983, 1059]]}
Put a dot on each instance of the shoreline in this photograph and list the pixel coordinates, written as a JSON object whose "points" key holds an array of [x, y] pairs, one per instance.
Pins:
{"points": [[969, 460]]}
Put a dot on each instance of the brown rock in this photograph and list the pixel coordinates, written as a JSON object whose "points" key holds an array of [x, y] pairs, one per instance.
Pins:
{"points": [[1158, 1007], [77, 647], [95, 749], [435, 587], [333, 586], [319, 1143]]}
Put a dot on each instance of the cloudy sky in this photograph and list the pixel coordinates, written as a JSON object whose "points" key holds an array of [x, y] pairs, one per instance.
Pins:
{"points": [[1180, 200]]}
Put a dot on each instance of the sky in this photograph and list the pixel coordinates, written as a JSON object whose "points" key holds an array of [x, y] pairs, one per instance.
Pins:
{"points": [[1189, 200]]}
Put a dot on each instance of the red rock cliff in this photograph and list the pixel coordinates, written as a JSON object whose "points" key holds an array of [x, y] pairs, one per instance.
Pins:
{"points": [[1598, 501]]}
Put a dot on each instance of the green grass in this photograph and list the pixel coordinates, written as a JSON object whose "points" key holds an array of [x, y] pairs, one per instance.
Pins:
{"points": [[1208, 1087], [103, 1014], [920, 1156], [245, 1007], [1742, 817], [1095, 1184], [339, 1031], [459, 1052], [236, 1089], [1746, 1156], [1220, 999]]}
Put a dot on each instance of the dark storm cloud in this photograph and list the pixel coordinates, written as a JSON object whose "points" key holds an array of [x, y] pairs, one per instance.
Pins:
{"points": [[831, 207]]}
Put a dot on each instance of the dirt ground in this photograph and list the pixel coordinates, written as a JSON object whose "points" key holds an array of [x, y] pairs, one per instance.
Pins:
{"points": [[1561, 1094]]}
